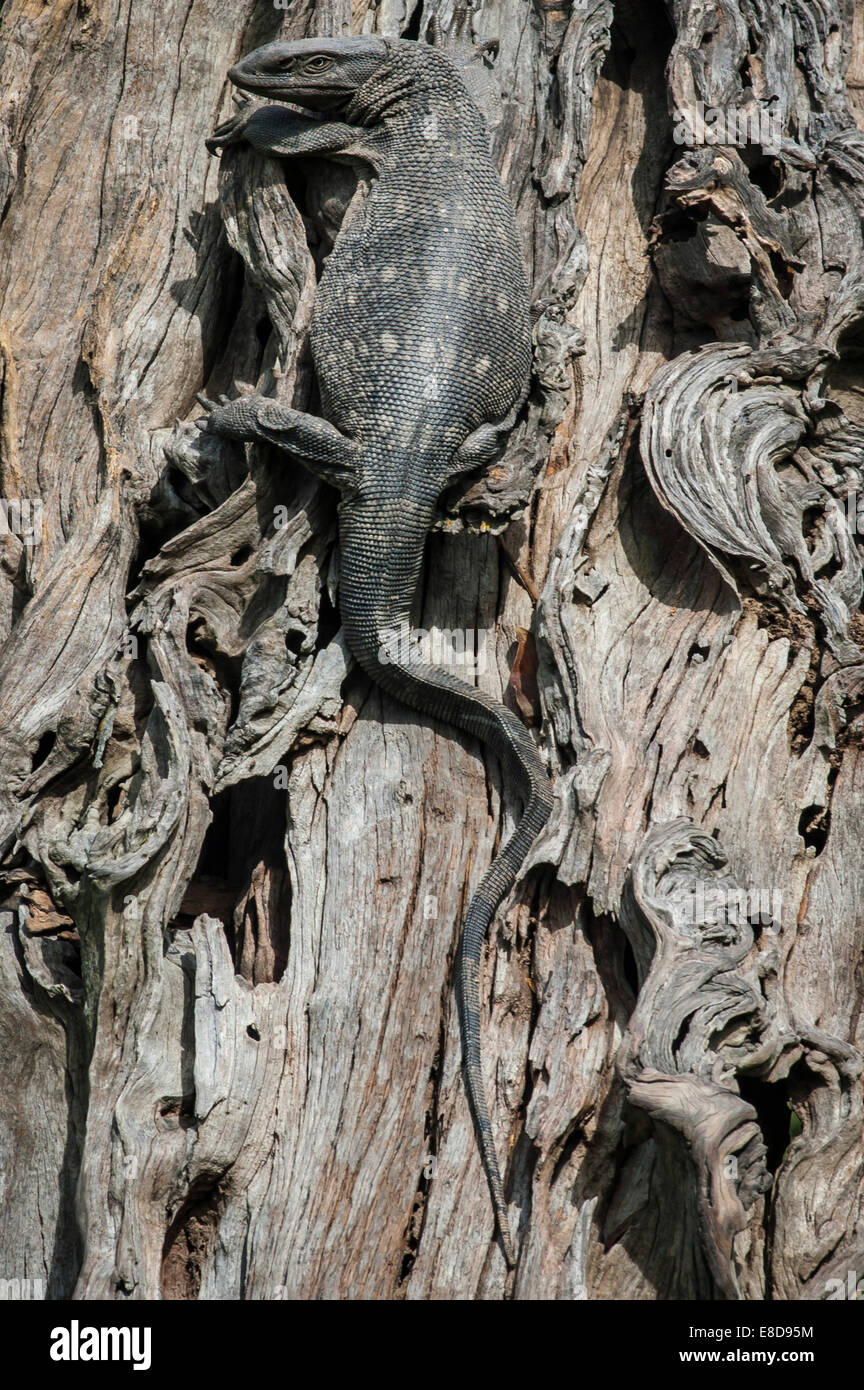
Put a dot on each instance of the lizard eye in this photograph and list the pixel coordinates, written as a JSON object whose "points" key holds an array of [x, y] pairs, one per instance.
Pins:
{"points": [[318, 64]]}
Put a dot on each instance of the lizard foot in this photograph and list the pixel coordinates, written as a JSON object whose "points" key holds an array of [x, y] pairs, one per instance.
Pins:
{"points": [[230, 419], [230, 132], [313, 441]]}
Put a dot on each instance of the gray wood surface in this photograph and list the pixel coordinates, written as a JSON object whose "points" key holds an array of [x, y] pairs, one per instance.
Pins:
{"points": [[231, 871]]}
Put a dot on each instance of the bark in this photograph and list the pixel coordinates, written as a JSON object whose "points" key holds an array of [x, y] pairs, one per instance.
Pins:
{"points": [[233, 870]]}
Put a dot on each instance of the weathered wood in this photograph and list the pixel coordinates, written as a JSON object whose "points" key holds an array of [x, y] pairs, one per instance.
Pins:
{"points": [[232, 871]]}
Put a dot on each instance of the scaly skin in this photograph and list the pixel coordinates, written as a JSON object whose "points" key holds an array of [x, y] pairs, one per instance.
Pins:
{"points": [[421, 342]]}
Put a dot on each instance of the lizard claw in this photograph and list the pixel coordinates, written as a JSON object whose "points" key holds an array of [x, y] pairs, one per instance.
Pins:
{"points": [[229, 132], [224, 417], [218, 140], [202, 422]]}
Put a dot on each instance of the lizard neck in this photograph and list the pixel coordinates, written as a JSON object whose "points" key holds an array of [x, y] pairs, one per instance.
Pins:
{"points": [[382, 542], [415, 81]]}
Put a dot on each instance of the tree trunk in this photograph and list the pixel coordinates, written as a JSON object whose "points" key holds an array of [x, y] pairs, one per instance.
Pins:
{"points": [[233, 870]]}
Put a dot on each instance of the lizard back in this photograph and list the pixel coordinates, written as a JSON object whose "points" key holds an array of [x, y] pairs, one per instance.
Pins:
{"points": [[421, 328]]}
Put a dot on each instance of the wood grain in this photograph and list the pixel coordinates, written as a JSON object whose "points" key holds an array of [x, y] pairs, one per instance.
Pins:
{"points": [[231, 871]]}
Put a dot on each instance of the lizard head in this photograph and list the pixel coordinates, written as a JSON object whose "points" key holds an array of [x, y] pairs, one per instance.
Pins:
{"points": [[324, 74]]}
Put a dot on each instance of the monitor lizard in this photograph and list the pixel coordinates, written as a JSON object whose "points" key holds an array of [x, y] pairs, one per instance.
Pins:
{"points": [[421, 341]]}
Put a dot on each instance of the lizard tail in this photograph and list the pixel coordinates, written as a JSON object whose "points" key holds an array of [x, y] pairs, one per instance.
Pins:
{"points": [[434, 690], [496, 883]]}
